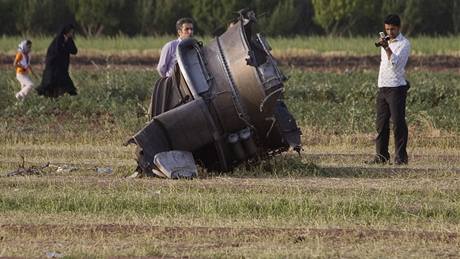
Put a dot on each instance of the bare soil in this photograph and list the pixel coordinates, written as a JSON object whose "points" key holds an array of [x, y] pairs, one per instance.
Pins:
{"points": [[314, 62], [298, 234]]}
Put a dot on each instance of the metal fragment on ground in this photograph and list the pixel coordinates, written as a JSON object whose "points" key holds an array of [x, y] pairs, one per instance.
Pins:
{"points": [[104, 170], [176, 164], [223, 103]]}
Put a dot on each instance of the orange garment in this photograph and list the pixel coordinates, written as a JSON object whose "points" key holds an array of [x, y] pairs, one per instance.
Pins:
{"points": [[22, 61]]}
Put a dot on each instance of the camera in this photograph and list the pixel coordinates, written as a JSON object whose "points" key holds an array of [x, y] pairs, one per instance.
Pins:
{"points": [[382, 36]]}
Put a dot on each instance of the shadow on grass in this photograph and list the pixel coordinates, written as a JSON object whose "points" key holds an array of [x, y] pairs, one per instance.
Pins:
{"points": [[295, 166]]}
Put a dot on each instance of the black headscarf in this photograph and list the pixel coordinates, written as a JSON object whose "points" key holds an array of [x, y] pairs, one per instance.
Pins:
{"points": [[60, 48]]}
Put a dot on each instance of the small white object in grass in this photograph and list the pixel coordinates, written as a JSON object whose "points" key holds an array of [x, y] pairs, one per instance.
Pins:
{"points": [[104, 170], [134, 175], [66, 169], [54, 255]]}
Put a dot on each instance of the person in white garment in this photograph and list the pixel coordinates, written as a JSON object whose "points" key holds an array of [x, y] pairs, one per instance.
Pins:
{"points": [[168, 59], [392, 93], [23, 68]]}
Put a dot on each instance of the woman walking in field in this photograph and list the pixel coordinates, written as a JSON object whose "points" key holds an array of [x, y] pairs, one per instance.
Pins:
{"points": [[22, 66], [56, 79]]}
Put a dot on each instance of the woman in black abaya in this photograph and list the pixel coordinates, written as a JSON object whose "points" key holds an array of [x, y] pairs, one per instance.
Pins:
{"points": [[56, 80]]}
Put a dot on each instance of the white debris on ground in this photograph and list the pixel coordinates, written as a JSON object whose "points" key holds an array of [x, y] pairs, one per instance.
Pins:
{"points": [[175, 164], [66, 169], [104, 170]]}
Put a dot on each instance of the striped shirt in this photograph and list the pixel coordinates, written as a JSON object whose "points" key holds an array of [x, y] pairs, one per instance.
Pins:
{"points": [[392, 71], [168, 58]]}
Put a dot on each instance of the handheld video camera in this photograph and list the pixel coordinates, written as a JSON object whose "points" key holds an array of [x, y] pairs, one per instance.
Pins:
{"points": [[382, 36]]}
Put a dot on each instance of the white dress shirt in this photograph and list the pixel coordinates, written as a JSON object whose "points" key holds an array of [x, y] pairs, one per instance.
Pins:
{"points": [[392, 71], [168, 58]]}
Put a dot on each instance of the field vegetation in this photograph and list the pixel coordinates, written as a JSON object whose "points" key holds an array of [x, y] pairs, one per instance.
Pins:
{"points": [[324, 203], [301, 45], [332, 103]]}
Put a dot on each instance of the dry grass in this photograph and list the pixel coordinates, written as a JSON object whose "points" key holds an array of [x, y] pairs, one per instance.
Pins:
{"points": [[326, 204], [145, 240]]}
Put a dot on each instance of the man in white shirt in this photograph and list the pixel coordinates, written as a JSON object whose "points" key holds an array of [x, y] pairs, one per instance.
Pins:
{"points": [[391, 97], [168, 60]]}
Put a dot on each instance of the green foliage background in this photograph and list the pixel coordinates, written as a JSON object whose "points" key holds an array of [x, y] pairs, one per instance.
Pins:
{"points": [[283, 17]]}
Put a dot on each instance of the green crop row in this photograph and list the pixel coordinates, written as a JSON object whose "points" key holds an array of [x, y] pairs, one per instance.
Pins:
{"points": [[301, 46], [115, 101]]}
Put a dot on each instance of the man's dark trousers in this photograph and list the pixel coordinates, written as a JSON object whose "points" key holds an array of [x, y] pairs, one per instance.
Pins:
{"points": [[391, 103]]}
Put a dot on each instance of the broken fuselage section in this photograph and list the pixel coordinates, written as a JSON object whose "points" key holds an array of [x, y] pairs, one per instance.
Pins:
{"points": [[223, 104]]}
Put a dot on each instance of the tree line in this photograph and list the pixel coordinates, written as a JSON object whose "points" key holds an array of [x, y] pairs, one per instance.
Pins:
{"points": [[277, 17]]}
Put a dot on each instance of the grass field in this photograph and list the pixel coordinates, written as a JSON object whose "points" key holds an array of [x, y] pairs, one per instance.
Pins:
{"points": [[115, 101], [299, 46], [326, 203]]}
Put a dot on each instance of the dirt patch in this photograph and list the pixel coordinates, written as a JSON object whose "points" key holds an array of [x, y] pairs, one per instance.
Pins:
{"points": [[340, 156], [352, 62], [314, 62], [297, 234], [92, 60]]}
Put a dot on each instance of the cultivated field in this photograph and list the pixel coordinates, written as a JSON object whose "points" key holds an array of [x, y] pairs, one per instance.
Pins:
{"points": [[359, 46], [325, 203]]}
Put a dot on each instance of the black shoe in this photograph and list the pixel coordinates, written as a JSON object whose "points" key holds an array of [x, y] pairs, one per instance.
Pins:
{"points": [[377, 160]]}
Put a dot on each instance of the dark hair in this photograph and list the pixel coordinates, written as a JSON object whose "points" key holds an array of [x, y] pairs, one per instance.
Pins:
{"points": [[28, 42], [66, 28], [181, 21], [393, 19]]}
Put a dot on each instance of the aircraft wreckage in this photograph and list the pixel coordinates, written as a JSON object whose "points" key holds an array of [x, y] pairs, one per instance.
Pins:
{"points": [[222, 107]]}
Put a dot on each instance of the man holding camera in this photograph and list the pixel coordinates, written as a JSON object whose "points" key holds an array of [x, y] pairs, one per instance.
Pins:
{"points": [[391, 97]]}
